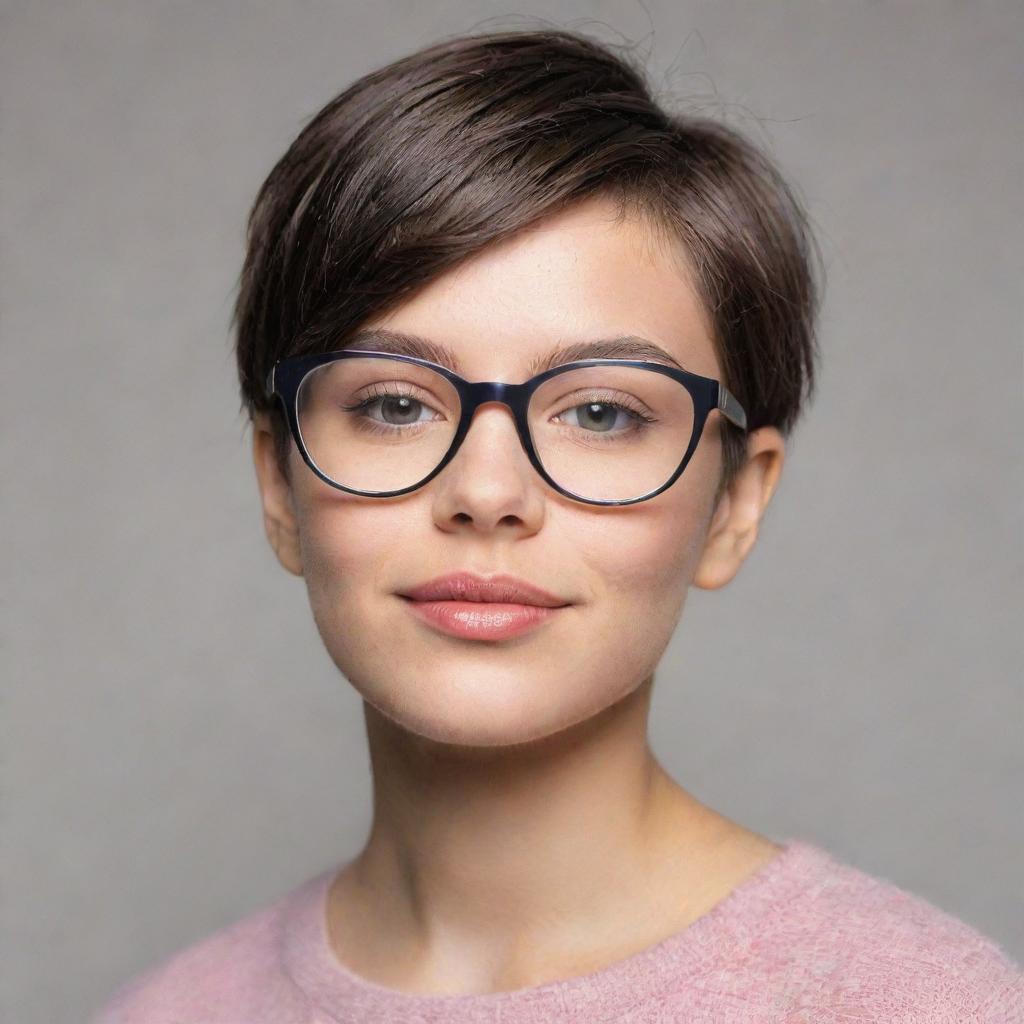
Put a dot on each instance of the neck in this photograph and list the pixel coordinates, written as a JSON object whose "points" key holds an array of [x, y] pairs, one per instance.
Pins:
{"points": [[518, 862]]}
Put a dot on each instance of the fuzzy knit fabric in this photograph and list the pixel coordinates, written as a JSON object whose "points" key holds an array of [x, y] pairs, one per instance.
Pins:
{"points": [[807, 939]]}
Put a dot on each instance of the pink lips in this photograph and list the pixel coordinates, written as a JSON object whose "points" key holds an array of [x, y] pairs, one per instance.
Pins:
{"points": [[482, 608]]}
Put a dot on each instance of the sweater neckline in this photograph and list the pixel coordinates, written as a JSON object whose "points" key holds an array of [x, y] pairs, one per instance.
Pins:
{"points": [[605, 994]]}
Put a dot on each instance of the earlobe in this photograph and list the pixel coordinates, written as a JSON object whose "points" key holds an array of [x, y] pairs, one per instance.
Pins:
{"points": [[725, 548], [737, 518], [279, 519]]}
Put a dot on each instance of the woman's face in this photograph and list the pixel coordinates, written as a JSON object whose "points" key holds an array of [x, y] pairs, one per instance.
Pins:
{"points": [[625, 570]]}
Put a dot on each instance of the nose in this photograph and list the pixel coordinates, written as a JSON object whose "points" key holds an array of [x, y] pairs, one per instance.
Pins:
{"points": [[490, 479]]}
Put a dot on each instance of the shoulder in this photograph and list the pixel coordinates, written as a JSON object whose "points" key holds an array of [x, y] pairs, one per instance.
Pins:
{"points": [[233, 975], [871, 950]]}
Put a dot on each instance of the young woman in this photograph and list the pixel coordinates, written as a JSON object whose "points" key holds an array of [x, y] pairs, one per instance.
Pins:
{"points": [[521, 351]]}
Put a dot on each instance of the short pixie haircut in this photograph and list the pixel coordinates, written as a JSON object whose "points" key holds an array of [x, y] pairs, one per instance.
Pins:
{"points": [[428, 160]]}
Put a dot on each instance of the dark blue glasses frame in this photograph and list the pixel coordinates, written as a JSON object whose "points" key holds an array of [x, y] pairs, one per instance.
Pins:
{"points": [[707, 393]]}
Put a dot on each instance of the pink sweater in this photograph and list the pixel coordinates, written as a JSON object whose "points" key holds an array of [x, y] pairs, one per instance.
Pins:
{"points": [[807, 939]]}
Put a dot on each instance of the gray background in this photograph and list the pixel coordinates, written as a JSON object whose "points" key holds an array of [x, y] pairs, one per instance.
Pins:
{"points": [[179, 749]]}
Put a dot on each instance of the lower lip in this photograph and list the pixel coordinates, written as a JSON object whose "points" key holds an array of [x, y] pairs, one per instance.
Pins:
{"points": [[481, 620]]}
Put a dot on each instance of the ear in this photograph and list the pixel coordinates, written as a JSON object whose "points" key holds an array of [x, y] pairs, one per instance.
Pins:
{"points": [[279, 520], [735, 522]]}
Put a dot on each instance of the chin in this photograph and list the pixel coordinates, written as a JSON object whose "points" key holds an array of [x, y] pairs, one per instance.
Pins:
{"points": [[479, 719]]}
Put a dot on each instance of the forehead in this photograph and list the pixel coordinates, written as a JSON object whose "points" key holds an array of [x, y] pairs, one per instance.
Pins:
{"points": [[549, 293]]}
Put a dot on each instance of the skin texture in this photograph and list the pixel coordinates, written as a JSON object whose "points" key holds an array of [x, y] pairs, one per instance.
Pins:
{"points": [[523, 830]]}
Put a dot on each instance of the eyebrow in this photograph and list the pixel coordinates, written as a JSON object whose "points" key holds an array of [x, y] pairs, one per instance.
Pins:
{"points": [[630, 346]]}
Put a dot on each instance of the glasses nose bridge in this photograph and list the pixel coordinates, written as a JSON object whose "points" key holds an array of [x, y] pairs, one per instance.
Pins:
{"points": [[515, 397]]}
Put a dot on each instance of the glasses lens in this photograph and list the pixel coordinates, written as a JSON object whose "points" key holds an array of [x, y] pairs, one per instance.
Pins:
{"points": [[376, 424], [607, 433], [611, 433]]}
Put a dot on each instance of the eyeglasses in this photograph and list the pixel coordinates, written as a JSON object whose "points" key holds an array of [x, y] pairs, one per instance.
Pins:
{"points": [[599, 431]]}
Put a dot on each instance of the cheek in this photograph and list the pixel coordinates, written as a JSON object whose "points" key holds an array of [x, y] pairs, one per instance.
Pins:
{"points": [[348, 553], [641, 565], [331, 554], [645, 557]]}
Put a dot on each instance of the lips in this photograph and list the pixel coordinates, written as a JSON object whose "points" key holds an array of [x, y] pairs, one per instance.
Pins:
{"points": [[500, 589]]}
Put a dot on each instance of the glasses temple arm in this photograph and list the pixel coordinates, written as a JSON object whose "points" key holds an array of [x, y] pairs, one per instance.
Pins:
{"points": [[730, 407]]}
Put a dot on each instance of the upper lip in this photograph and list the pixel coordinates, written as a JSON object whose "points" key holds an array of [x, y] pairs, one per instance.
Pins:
{"points": [[468, 586]]}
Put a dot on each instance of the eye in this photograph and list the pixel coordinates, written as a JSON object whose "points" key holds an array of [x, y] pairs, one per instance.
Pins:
{"points": [[395, 409], [601, 416], [399, 411]]}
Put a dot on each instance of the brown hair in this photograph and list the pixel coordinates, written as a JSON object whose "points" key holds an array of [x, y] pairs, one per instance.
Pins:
{"points": [[427, 160]]}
